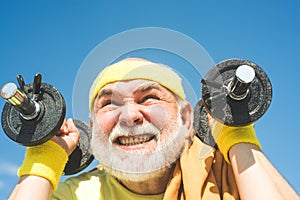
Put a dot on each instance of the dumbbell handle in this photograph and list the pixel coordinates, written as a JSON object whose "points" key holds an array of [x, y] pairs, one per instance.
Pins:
{"points": [[238, 87], [27, 107]]}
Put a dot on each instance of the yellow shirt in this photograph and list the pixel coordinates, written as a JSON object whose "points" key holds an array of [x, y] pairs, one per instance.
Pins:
{"points": [[96, 185], [200, 173]]}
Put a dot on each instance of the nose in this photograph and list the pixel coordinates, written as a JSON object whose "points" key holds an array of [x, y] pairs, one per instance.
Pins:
{"points": [[130, 115]]}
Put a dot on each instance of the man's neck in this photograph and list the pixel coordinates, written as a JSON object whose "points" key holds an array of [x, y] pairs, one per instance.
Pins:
{"points": [[155, 185]]}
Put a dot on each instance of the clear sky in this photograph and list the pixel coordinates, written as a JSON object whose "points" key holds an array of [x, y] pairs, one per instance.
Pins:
{"points": [[55, 38]]}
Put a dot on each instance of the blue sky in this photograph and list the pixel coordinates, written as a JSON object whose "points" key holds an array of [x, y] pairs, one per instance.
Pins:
{"points": [[55, 38]]}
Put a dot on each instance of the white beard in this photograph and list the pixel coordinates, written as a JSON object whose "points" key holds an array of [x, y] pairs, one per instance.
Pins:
{"points": [[139, 165]]}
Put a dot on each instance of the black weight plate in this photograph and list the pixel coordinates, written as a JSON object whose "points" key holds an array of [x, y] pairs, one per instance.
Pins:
{"points": [[201, 126], [236, 112], [81, 156], [44, 126]]}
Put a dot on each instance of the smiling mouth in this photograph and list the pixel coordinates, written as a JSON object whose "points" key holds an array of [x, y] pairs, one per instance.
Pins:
{"points": [[134, 140]]}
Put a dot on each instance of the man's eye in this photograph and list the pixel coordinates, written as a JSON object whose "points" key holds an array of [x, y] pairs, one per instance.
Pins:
{"points": [[148, 97], [108, 102]]}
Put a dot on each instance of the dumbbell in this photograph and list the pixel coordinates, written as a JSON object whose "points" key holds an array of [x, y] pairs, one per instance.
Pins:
{"points": [[236, 92], [34, 113]]}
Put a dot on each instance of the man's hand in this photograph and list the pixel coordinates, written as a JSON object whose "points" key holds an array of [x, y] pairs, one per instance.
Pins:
{"points": [[68, 137], [43, 164]]}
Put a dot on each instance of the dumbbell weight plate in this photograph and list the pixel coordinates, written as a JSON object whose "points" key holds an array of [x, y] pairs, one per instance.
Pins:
{"points": [[236, 112], [43, 127], [201, 126], [81, 156]]}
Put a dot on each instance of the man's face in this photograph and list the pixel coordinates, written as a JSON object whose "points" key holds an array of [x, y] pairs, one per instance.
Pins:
{"points": [[137, 129]]}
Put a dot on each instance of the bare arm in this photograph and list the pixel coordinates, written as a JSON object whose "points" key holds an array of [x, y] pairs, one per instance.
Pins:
{"points": [[33, 187], [256, 177]]}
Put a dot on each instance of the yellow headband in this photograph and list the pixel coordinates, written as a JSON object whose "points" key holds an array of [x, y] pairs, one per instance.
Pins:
{"points": [[135, 68]]}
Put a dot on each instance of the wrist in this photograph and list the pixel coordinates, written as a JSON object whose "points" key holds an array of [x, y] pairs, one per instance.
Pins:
{"points": [[47, 160], [228, 136]]}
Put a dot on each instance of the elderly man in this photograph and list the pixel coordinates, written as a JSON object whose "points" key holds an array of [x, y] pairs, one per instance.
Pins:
{"points": [[142, 135]]}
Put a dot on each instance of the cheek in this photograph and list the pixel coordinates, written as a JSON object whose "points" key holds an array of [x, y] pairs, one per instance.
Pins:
{"points": [[159, 116], [105, 121]]}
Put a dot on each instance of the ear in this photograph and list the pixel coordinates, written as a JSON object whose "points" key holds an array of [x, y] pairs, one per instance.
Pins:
{"points": [[187, 116]]}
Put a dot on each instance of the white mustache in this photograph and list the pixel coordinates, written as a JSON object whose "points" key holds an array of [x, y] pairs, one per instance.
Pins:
{"points": [[119, 131]]}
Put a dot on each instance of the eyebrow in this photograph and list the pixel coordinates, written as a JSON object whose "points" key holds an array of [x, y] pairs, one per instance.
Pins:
{"points": [[142, 88], [148, 86], [104, 92]]}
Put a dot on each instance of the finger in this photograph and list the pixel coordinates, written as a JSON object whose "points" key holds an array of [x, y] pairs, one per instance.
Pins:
{"points": [[211, 120], [64, 129], [71, 126], [73, 131]]}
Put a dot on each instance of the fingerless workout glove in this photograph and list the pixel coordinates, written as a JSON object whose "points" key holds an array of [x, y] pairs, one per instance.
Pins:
{"points": [[227, 136], [46, 160]]}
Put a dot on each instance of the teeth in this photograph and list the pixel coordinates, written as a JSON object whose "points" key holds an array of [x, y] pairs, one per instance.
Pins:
{"points": [[134, 140]]}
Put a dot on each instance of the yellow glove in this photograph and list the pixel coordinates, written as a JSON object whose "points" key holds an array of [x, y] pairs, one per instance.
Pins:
{"points": [[227, 136], [47, 160]]}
